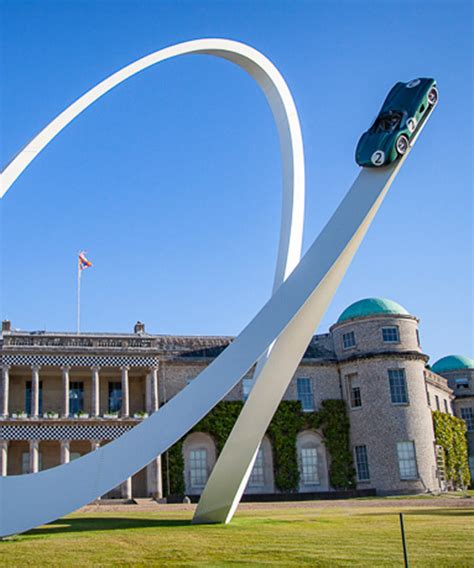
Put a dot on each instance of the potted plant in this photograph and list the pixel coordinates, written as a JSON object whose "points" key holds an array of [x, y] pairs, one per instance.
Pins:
{"points": [[51, 414], [111, 414], [140, 415], [81, 415], [19, 414]]}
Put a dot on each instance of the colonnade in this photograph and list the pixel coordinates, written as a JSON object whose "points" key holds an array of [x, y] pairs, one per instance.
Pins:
{"points": [[152, 397], [153, 471]]}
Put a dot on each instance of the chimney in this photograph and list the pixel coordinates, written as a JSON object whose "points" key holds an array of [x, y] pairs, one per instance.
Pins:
{"points": [[139, 327], [6, 325]]}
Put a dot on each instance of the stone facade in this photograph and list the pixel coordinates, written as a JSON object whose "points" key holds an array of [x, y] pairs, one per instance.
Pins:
{"points": [[62, 395], [461, 382]]}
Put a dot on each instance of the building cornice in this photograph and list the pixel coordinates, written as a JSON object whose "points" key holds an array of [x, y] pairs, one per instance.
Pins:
{"points": [[406, 355], [382, 316], [438, 381]]}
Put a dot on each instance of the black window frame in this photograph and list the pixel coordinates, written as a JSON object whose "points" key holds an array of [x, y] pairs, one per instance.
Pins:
{"points": [[396, 387]]}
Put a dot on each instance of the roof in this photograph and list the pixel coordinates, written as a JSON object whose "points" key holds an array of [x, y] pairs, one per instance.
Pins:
{"points": [[452, 363], [371, 307]]}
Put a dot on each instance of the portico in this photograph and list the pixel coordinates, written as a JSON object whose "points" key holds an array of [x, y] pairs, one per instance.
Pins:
{"points": [[62, 396]]}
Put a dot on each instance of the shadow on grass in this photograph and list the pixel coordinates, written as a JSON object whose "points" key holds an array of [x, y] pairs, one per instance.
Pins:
{"points": [[91, 524]]}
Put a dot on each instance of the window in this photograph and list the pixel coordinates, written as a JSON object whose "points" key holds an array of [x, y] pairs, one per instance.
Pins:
{"points": [[428, 397], [437, 401], [387, 122], [362, 463], [462, 383], [471, 466], [25, 462], [76, 397], [28, 398], [391, 334], [257, 477], [407, 460], [198, 467], [348, 340], [247, 385], [446, 409], [353, 386], [441, 463], [418, 338], [115, 397], [305, 394], [309, 466], [398, 386], [467, 414], [74, 456]]}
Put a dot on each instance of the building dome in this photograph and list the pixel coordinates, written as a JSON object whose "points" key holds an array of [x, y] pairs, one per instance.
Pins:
{"points": [[452, 363], [372, 307]]}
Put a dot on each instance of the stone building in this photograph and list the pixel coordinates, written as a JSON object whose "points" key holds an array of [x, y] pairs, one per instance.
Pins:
{"points": [[459, 372], [63, 395]]}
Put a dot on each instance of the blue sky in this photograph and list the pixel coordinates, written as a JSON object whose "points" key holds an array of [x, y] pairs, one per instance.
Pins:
{"points": [[172, 181]]}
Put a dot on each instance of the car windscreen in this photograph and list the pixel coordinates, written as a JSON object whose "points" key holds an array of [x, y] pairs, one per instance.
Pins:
{"points": [[387, 122]]}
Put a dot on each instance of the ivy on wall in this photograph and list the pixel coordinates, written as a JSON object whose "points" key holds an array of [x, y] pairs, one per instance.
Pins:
{"points": [[289, 419], [450, 434]]}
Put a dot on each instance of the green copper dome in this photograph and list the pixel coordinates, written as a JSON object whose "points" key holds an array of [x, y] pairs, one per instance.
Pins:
{"points": [[453, 363], [371, 307]]}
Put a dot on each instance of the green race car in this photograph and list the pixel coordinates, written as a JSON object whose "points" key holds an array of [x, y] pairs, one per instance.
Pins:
{"points": [[404, 110]]}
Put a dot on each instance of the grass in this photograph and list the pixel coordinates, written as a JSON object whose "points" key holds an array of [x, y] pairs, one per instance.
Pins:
{"points": [[357, 535]]}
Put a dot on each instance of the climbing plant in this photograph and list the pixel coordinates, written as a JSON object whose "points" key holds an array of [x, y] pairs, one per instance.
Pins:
{"points": [[450, 434], [289, 419]]}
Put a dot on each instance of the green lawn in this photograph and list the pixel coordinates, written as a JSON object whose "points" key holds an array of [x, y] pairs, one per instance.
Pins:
{"points": [[362, 534]]}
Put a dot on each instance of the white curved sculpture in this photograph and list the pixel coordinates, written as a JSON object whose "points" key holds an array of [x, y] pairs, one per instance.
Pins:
{"points": [[279, 97], [287, 320]]}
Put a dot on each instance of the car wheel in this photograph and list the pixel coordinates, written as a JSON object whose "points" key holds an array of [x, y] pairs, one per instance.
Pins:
{"points": [[402, 145], [433, 96]]}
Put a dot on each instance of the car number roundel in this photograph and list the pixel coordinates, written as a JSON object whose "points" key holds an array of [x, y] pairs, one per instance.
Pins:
{"points": [[411, 124], [378, 158]]}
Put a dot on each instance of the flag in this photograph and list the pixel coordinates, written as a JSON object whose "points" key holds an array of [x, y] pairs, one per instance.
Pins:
{"points": [[83, 262]]}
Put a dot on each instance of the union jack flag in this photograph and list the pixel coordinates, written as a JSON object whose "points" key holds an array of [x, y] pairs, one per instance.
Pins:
{"points": [[83, 262]]}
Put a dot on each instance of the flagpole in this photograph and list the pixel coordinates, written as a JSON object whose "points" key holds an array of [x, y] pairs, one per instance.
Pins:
{"points": [[78, 296]]}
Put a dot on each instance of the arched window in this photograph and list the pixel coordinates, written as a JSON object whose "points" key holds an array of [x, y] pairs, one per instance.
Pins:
{"points": [[199, 452], [261, 478], [309, 466], [312, 462], [257, 477]]}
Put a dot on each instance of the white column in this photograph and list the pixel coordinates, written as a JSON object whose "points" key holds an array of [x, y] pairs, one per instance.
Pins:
{"points": [[65, 406], [153, 477], [153, 471], [125, 393], [34, 456], [152, 397], [127, 489], [35, 390], [3, 457], [65, 452], [5, 389], [95, 445], [95, 392]]}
